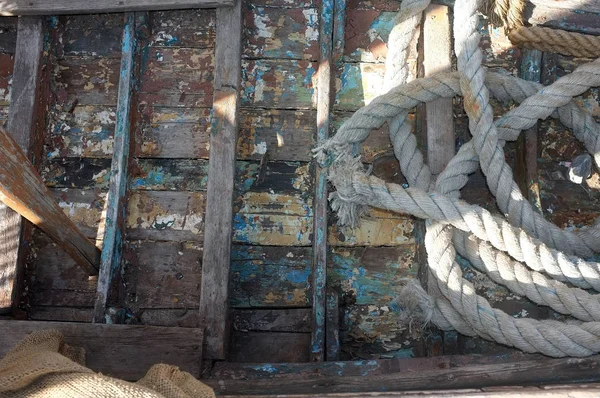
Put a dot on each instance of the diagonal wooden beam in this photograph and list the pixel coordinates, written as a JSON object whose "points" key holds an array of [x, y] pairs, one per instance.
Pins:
{"points": [[110, 261], [21, 124], [214, 302], [23, 190], [54, 7]]}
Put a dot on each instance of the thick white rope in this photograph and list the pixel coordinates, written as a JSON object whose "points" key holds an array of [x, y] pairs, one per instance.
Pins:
{"points": [[458, 306]]}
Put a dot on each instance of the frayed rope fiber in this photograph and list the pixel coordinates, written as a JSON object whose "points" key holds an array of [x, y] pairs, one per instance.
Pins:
{"points": [[523, 251]]}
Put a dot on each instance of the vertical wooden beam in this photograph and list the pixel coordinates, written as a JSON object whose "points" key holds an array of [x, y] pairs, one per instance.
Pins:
{"points": [[333, 326], [110, 260], [324, 95], [526, 170], [214, 302], [23, 190], [437, 58], [21, 124]]}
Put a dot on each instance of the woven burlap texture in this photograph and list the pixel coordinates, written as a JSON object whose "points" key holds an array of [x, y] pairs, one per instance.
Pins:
{"points": [[42, 365]]}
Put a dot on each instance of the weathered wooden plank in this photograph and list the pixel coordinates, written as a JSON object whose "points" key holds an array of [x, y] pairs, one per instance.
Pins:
{"points": [[270, 276], [368, 279], [332, 335], [382, 228], [324, 100], [526, 170], [49, 7], [110, 259], [179, 71], [285, 84], [282, 134], [267, 320], [438, 58], [357, 85], [367, 369], [185, 318], [281, 33], [161, 275], [214, 300], [166, 215], [55, 279], [60, 314], [426, 374], [80, 35], [21, 124], [83, 131], [270, 347], [183, 28], [87, 81], [84, 207], [114, 350]]}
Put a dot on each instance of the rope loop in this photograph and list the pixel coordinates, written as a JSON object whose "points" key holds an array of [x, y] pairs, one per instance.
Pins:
{"points": [[523, 251]]}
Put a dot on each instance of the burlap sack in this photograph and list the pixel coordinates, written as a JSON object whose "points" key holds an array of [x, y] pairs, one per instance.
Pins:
{"points": [[42, 365]]}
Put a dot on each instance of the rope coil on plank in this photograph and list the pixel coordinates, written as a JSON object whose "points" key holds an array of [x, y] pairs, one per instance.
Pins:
{"points": [[523, 252]]}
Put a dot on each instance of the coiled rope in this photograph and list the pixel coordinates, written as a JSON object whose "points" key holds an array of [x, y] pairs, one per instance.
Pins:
{"points": [[524, 252]]}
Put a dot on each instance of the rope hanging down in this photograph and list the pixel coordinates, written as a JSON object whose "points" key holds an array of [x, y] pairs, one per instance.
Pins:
{"points": [[524, 252]]}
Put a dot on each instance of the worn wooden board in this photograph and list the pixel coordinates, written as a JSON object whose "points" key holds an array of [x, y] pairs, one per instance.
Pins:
{"points": [[84, 207], [214, 299], [270, 347], [87, 80], [162, 274], [81, 35], [46, 7], [22, 121], [427, 374], [283, 134], [267, 320], [280, 33], [114, 350], [437, 54], [165, 215], [269, 276], [286, 84], [183, 28]]}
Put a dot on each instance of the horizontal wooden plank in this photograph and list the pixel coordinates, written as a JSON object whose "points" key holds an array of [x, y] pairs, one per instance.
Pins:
{"points": [[426, 374], [87, 80], [48, 7], [280, 33], [56, 280], [183, 28], [80, 35], [165, 215], [180, 71], [371, 275], [185, 318], [270, 347], [287, 3], [381, 228], [573, 16], [83, 131], [270, 276], [84, 208], [267, 320], [60, 314], [281, 134], [161, 274], [121, 351], [278, 84]]}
